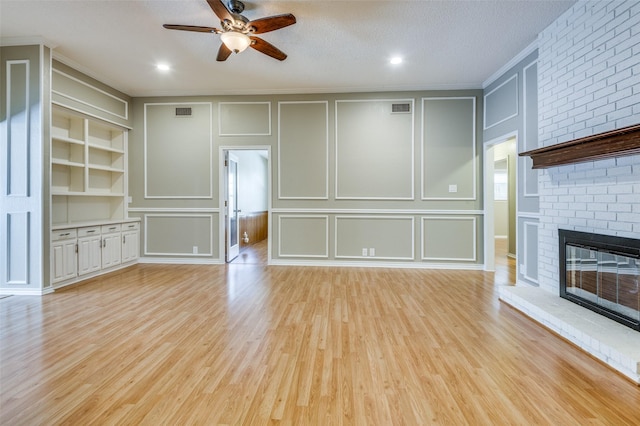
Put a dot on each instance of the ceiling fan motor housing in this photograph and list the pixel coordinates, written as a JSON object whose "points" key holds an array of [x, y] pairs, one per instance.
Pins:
{"points": [[235, 6]]}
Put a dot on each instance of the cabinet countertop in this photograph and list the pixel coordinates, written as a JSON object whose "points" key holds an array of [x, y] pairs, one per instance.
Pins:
{"points": [[59, 226]]}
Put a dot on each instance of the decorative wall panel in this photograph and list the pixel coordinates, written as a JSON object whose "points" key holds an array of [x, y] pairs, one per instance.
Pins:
{"points": [[244, 118], [188, 235], [449, 148], [303, 150], [383, 237], [303, 236], [449, 238], [501, 103], [178, 151], [374, 150]]}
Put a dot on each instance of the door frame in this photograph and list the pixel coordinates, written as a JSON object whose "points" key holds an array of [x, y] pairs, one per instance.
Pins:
{"points": [[230, 207], [222, 222], [488, 199]]}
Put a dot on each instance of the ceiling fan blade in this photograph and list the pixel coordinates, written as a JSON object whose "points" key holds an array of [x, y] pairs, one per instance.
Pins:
{"points": [[220, 10], [267, 48], [223, 53], [192, 28], [271, 23]]}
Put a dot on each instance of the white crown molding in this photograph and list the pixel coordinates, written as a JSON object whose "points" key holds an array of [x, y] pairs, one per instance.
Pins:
{"points": [[513, 62], [27, 41]]}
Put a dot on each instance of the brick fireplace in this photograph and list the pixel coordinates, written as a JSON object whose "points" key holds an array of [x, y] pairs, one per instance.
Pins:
{"points": [[588, 84]]}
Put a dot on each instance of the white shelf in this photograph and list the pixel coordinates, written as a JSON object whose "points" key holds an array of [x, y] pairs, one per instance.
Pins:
{"points": [[66, 163], [104, 148], [88, 169], [68, 140], [95, 193], [105, 168]]}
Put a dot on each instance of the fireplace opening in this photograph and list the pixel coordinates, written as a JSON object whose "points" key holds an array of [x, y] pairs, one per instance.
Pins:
{"points": [[601, 273]]}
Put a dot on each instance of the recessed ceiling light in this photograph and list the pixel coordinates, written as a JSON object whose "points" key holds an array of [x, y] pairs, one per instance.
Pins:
{"points": [[396, 60], [163, 67]]}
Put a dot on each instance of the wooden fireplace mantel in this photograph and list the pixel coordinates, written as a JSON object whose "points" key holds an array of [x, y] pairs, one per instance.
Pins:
{"points": [[616, 143]]}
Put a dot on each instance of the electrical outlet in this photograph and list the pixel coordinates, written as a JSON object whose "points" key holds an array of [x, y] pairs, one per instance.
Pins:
{"points": [[453, 188], [195, 249], [364, 251], [372, 251]]}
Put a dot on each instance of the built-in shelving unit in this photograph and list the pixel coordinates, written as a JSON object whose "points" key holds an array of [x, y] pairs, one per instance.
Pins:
{"points": [[88, 167], [90, 231]]}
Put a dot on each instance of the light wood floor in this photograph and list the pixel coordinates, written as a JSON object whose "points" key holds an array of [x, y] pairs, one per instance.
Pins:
{"points": [[252, 344]]}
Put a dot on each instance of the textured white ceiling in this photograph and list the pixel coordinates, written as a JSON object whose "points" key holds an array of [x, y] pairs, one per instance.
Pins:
{"points": [[335, 46]]}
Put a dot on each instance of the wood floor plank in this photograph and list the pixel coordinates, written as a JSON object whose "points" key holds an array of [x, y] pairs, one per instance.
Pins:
{"points": [[254, 344]]}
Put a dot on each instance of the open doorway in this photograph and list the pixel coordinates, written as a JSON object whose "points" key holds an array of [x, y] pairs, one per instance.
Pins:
{"points": [[246, 194], [500, 202]]}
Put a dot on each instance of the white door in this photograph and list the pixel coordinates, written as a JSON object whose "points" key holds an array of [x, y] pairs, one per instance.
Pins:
{"points": [[111, 250], [64, 264], [231, 207], [130, 242], [89, 254]]}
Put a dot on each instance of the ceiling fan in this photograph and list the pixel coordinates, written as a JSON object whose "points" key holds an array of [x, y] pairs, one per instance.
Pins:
{"points": [[237, 32]]}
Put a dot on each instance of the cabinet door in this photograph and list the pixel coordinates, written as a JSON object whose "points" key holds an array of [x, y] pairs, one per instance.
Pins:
{"points": [[111, 250], [89, 254], [64, 264], [130, 246]]}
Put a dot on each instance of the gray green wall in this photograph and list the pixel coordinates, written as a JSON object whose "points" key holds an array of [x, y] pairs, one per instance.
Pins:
{"points": [[347, 174], [511, 110]]}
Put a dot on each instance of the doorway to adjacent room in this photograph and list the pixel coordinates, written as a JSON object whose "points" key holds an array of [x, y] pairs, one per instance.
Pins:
{"points": [[245, 203]]}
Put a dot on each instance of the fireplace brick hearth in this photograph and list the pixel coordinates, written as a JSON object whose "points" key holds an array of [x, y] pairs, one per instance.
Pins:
{"points": [[612, 343]]}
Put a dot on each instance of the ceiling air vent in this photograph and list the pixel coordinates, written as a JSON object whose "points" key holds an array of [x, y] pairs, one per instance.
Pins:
{"points": [[183, 112], [398, 108]]}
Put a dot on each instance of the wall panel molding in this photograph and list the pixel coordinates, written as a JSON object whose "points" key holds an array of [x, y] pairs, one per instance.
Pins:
{"points": [[384, 238], [501, 103], [179, 158], [460, 171], [244, 119], [188, 252], [303, 232], [374, 157], [17, 135], [304, 153], [530, 128], [450, 236], [530, 239], [378, 211]]}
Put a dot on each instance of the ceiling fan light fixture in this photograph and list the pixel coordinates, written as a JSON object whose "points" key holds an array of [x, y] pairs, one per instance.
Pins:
{"points": [[235, 41]]}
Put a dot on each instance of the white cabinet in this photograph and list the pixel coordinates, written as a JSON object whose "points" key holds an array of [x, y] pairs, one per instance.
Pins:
{"points": [[130, 242], [64, 247], [89, 250], [84, 252], [111, 247]]}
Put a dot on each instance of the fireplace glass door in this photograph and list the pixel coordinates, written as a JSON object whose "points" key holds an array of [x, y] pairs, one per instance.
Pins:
{"points": [[605, 279]]}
